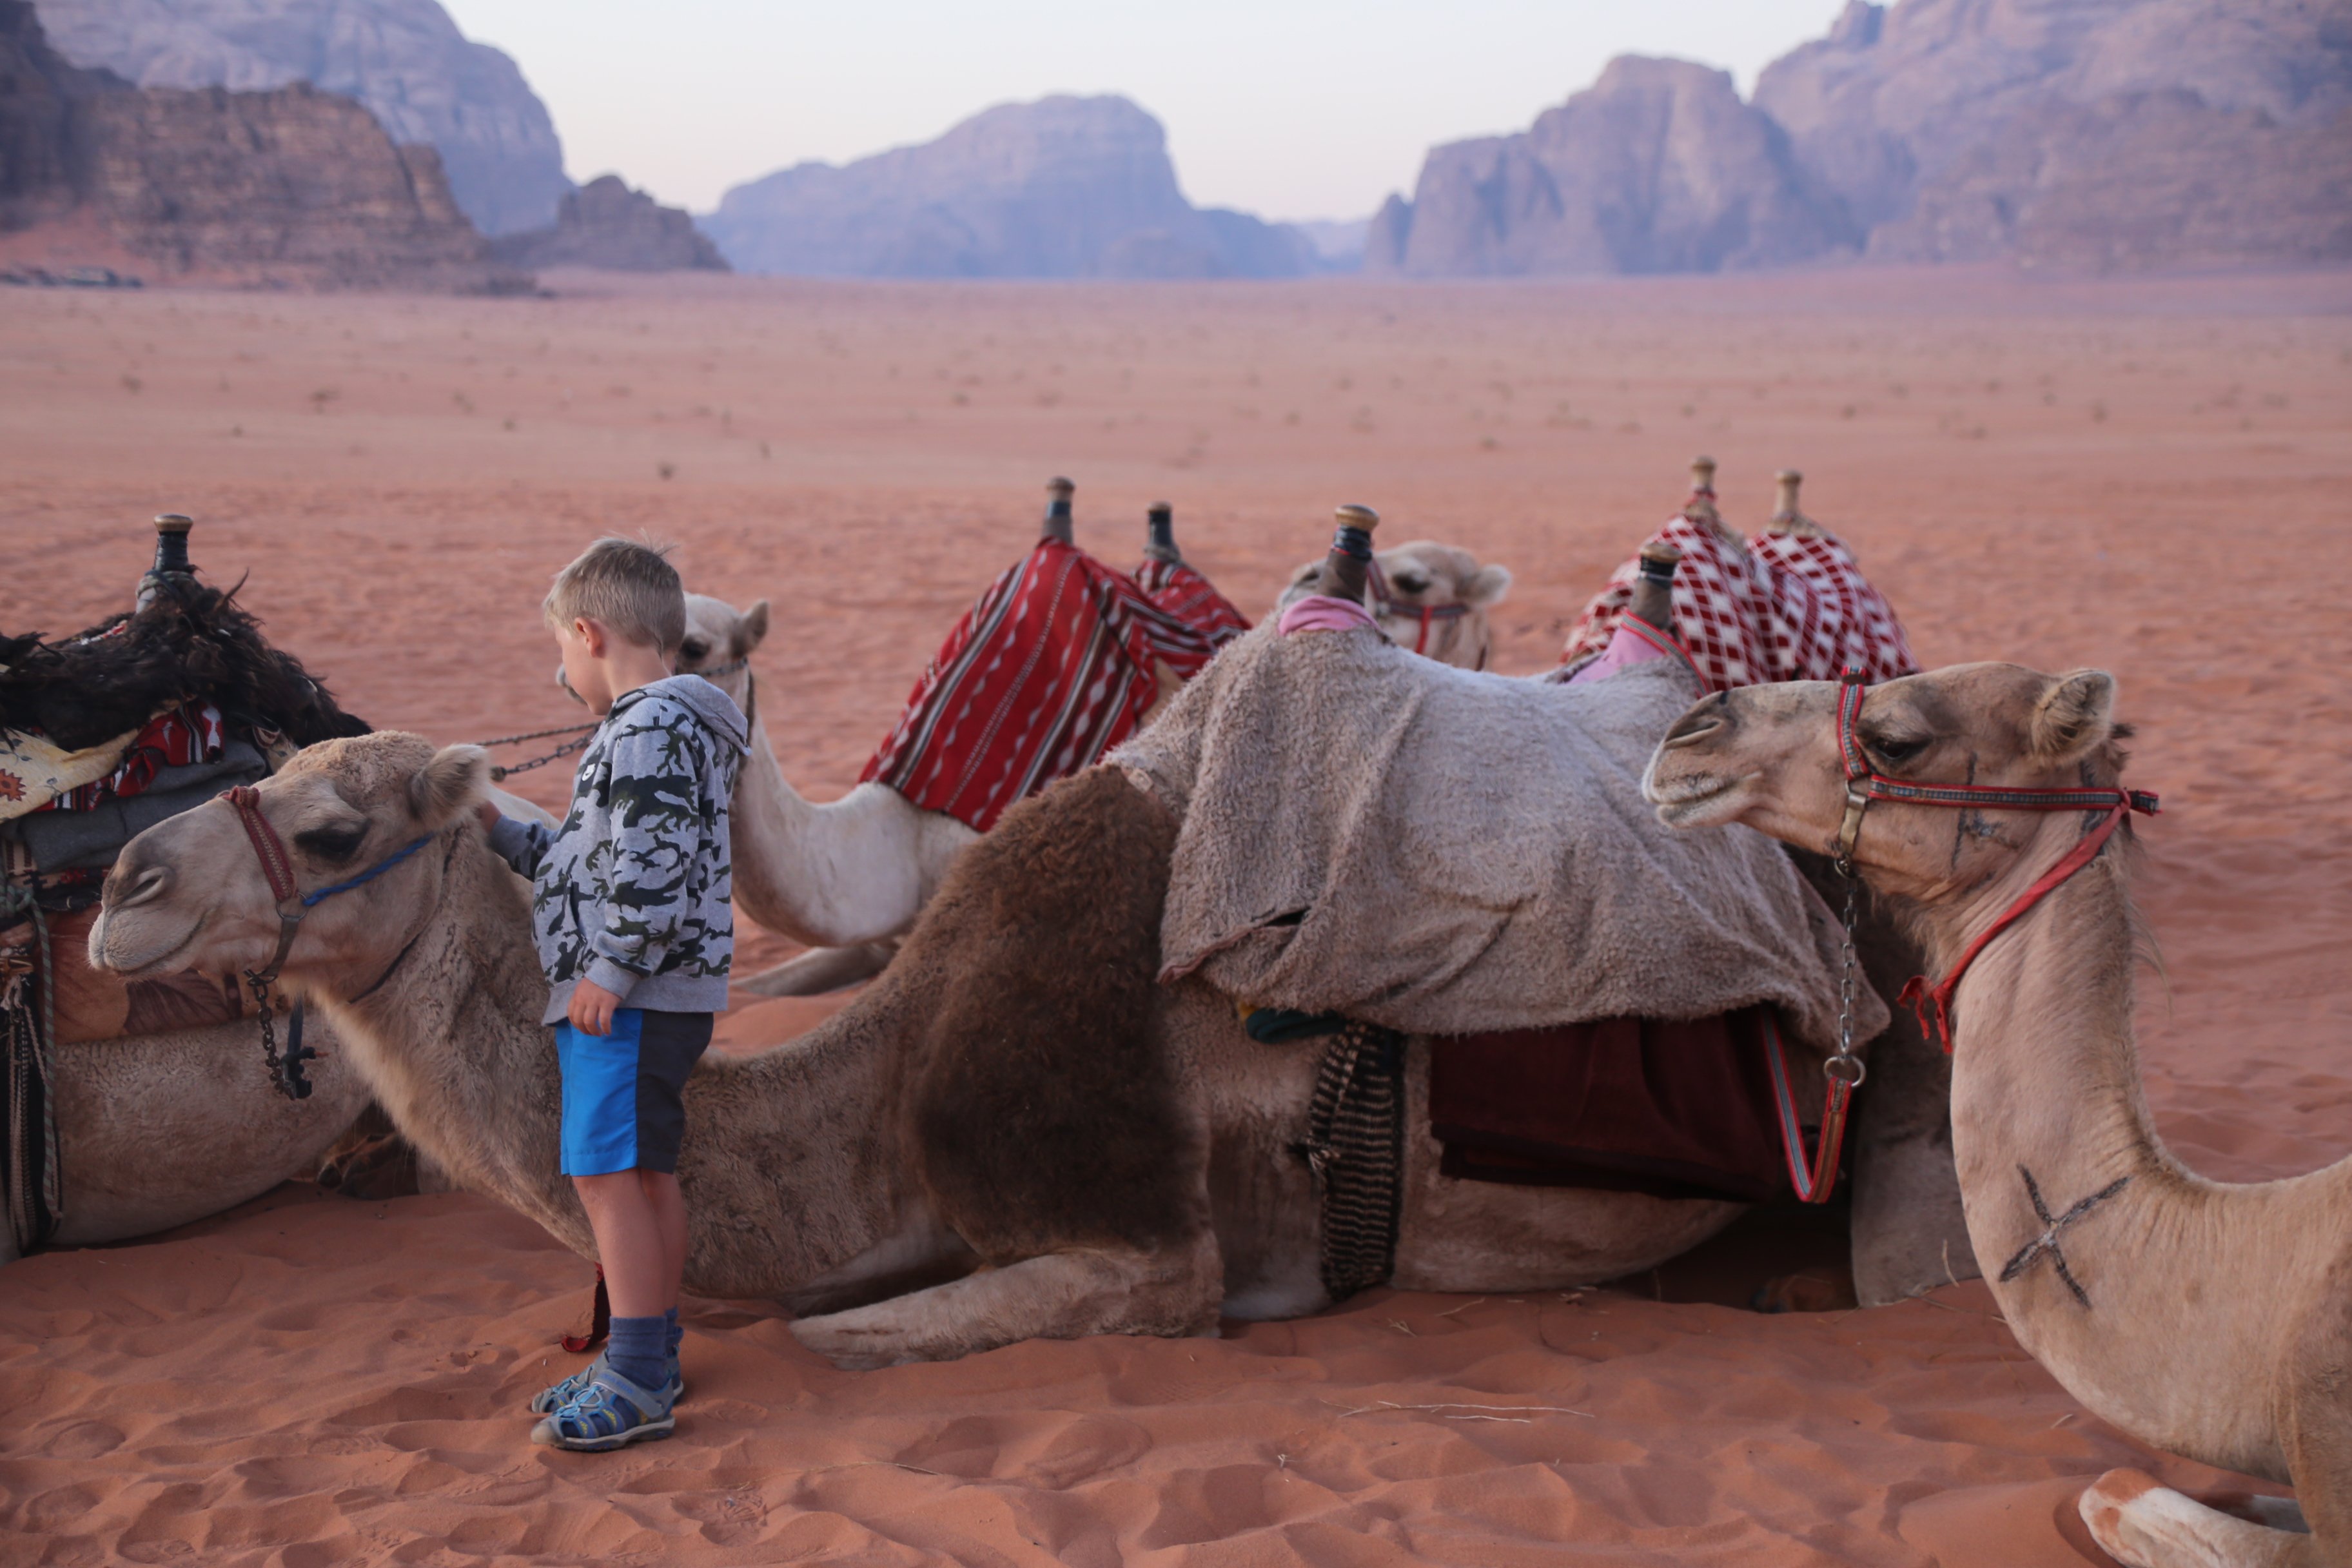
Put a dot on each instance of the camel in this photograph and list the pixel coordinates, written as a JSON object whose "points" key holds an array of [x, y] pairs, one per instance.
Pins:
{"points": [[846, 876], [1015, 1133], [1430, 598], [2208, 1319]]}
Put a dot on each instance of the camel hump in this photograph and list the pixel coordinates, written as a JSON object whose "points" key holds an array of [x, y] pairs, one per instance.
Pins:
{"points": [[1037, 1051]]}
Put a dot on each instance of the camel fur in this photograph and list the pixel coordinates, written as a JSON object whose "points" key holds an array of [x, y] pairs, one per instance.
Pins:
{"points": [[1015, 1133], [2209, 1319]]}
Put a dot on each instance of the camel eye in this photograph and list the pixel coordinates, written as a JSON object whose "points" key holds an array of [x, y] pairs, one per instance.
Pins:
{"points": [[1410, 582], [1896, 750], [692, 649], [332, 845]]}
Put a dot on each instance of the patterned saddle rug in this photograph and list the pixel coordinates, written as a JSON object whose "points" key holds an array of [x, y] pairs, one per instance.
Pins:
{"points": [[1192, 599], [1777, 606], [1054, 665]]}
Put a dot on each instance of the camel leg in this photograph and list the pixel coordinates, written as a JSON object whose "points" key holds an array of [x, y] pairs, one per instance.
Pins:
{"points": [[2143, 1525], [820, 970], [1059, 1296]]}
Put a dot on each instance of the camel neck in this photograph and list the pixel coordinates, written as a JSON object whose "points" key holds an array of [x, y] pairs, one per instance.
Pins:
{"points": [[2094, 1240]]}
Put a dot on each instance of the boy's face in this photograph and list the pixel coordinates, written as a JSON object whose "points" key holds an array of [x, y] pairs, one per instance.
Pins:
{"points": [[582, 643]]}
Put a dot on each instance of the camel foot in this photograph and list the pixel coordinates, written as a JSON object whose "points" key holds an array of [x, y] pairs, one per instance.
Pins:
{"points": [[2144, 1525], [1061, 1296], [820, 970]]}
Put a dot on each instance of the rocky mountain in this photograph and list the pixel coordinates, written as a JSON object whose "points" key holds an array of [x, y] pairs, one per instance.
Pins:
{"points": [[289, 186], [2080, 132], [1065, 187], [605, 224], [2096, 134], [404, 59], [1657, 167]]}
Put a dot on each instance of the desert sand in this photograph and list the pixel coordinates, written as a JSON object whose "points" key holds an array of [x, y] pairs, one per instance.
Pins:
{"points": [[2148, 476]]}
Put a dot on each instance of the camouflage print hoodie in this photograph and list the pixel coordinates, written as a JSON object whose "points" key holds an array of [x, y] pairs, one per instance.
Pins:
{"points": [[631, 890]]}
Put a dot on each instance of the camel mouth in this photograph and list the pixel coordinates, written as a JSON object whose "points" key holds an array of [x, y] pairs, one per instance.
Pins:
{"points": [[102, 956], [1695, 800]]}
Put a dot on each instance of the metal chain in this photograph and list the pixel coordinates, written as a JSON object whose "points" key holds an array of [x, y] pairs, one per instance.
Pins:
{"points": [[1846, 1067], [260, 988], [499, 774]]}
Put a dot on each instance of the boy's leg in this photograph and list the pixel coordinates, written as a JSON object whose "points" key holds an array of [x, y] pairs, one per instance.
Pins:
{"points": [[669, 1216], [630, 1242]]}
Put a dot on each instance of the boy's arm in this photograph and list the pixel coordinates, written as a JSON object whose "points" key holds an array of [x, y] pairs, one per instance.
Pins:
{"points": [[521, 845], [656, 833]]}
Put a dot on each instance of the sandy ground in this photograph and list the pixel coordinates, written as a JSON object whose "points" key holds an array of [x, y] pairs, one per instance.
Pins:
{"points": [[2146, 477]]}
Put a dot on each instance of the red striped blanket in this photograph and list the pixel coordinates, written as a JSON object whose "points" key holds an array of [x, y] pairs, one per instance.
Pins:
{"points": [[1192, 599], [1776, 607], [1052, 666]]}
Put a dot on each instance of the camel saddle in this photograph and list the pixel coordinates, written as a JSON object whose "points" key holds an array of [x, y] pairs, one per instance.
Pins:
{"points": [[1371, 834]]}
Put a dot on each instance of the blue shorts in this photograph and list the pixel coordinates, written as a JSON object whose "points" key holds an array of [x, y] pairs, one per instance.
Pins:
{"points": [[623, 1109]]}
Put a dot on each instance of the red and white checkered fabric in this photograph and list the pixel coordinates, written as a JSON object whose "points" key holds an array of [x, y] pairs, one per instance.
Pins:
{"points": [[1783, 609], [1052, 667], [1192, 599]]}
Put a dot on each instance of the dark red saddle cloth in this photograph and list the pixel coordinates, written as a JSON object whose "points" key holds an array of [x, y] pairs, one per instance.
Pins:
{"points": [[1677, 1109]]}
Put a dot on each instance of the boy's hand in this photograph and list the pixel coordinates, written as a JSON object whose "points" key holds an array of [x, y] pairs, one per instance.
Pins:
{"points": [[593, 1007], [487, 814]]}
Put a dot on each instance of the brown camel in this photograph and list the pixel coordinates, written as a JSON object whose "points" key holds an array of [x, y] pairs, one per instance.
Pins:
{"points": [[1015, 1133], [2208, 1319]]}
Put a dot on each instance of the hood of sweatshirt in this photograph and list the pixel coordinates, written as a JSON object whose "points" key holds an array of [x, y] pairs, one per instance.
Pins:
{"points": [[713, 707]]}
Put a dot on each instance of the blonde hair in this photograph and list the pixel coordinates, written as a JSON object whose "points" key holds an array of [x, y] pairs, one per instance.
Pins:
{"points": [[628, 588]]}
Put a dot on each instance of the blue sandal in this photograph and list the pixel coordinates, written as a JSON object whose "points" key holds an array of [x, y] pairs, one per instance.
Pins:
{"points": [[560, 1393], [610, 1413]]}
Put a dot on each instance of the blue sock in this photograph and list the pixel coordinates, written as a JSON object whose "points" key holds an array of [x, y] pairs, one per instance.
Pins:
{"points": [[676, 1334], [638, 1352]]}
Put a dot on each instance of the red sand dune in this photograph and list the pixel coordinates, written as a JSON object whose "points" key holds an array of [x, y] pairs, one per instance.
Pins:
{"points": [[2148, 476]]}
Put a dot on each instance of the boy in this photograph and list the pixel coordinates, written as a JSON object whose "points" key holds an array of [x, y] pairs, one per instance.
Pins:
{"points": [[629, 904]]}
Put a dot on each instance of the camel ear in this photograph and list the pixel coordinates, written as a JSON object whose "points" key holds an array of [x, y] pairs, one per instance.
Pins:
{"points": [[451, 783], [1486, 586], [754, 631], [2075, 714]]}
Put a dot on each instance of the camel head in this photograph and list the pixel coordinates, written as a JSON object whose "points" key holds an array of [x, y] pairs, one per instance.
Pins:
{"points": [[191, 893], [718, 635], [1426, 575], [1768, 756]]}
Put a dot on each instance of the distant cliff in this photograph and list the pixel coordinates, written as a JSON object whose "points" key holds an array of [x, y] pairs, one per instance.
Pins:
{"points": [[404, 59], [1657, 167], [2094, 135], [605, 224], [291, 186], [1065, 187]]}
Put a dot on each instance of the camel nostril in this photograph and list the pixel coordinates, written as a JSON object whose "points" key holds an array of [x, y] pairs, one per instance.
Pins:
{"points": [[144, 885], [1692, 728]]}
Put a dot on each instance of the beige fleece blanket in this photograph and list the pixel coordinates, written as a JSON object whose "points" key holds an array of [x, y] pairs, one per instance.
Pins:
{"points": [[1375, 834]]}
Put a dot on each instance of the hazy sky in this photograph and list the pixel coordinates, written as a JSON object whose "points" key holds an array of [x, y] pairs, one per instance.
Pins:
{"points": [[1289, 109]]}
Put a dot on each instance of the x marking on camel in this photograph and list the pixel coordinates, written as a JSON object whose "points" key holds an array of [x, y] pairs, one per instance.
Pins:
{"points": [[2048, 1240]]}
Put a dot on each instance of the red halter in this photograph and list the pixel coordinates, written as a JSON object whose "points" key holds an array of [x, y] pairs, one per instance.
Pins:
{"points": [[1863, 784], [1390, 605]]}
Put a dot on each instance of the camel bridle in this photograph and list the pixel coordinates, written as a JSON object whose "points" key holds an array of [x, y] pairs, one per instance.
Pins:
{"points": [[1932, 1005], [1386, 602], [278, 867], [1865, 784]]}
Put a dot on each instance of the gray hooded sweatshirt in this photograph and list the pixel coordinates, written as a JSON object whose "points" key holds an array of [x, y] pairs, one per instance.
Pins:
{"points": [[631, 890]]}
